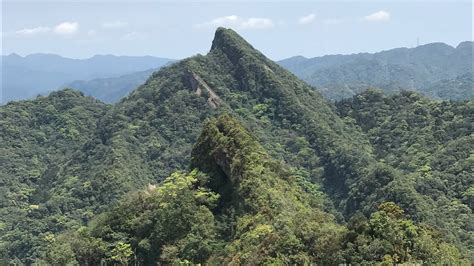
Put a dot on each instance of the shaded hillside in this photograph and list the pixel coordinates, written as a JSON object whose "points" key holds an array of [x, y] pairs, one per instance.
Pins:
{"points": [[418, 69]]}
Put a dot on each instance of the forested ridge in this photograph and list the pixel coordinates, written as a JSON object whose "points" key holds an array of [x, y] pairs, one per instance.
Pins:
{"points": [[432, 143], [436, 70], [370, 179]]}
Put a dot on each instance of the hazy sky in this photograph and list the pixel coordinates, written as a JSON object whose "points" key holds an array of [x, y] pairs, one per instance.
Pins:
{"points": [[177, 29]]}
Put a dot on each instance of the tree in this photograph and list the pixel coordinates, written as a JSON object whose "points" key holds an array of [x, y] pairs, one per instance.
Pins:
{"points": [[121, 253]]}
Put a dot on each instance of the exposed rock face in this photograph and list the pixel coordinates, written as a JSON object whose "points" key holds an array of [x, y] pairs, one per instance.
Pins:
{"points": [[198, 84]]}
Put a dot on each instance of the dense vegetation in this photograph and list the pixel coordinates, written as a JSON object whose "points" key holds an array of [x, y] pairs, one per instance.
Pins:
{"points": [[433, 144], [436, 70], [239, 206], [315, 182], [38, 138]]}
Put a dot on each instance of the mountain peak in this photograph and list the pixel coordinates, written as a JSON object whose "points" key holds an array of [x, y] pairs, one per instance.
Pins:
{"points": [[231, 43], [14, 55], [225, 37]]}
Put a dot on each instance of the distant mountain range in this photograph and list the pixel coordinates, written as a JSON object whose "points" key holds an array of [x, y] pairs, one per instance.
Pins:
{"points": [[111, 90], [26, 77], [426, 68], [436, 70]]}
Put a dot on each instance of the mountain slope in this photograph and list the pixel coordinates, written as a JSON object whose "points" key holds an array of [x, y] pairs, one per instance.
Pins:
{"points": [[244, 208], [37, 139], [339, 76], [432, 143]]}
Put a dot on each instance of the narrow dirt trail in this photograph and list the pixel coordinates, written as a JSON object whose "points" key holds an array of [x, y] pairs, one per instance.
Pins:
{"points": [[213, 100]]}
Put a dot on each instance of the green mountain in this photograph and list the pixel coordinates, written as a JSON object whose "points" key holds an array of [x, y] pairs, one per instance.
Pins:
{"points": [[306, 158], [417, 69]]}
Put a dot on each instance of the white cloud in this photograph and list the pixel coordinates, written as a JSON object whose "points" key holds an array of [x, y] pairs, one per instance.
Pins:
{"points": [[234, 21], [91, 32], [257, 23], [224, 20], [378, 16], [307, 19], [66, 28], [114, 24], [33, 31]]}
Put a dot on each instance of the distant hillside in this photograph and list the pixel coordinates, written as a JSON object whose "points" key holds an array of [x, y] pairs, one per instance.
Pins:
{"points": [[111, 90], [417, 69], [458, 88], [26, 77]]}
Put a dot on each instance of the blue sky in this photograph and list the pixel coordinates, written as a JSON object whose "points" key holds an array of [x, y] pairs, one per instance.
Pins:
{"points": [[178, 29]]}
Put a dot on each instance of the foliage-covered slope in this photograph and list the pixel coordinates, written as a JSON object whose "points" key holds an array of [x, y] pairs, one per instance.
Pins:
{"points": [[240, 206], [37, 140], [433, 144], [418, 69]]}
